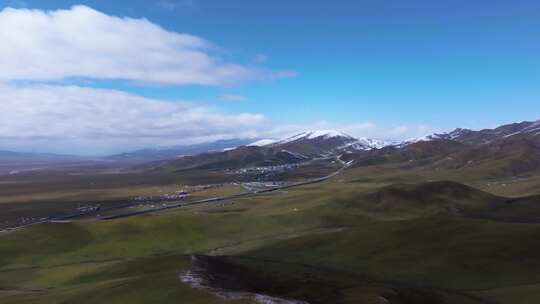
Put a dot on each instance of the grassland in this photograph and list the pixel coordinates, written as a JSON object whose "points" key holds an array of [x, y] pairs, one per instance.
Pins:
{"points": [[367, 233], [40, 194]]}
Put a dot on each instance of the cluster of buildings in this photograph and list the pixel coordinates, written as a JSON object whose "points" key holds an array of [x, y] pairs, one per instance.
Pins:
{"points": [[263, 173]]}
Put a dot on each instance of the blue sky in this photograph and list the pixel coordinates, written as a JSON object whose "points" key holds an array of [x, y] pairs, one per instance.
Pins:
{"points": [[415, 66]]}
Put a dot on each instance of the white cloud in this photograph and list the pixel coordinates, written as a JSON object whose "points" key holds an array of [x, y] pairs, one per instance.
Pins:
{"points": [[73, 119], [232, 97], [101, 121], [82, 42]]}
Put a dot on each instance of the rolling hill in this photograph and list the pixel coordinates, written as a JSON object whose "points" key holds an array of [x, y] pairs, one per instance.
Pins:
{"points": [[299, 148], [390, 229], [509, 150], [467, 136], [245, 156]]}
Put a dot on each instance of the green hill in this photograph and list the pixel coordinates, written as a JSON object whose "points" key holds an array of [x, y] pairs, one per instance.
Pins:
{"points": [[440, 242]]}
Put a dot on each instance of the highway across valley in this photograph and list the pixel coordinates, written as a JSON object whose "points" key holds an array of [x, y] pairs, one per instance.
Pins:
{"points": [[224, 198], [53, 219]]}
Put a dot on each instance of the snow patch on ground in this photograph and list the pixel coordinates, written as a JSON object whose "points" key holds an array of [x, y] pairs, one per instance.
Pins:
{"points": [[262, 143], [315, 134], [297, 155], [378, 144], [429, 137], [534, 125], [326, 134], [293, 138]]}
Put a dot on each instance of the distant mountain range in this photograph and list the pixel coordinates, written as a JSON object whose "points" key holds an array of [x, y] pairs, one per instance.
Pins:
{"points": [[15, 162], [270, 152], [162, 153], [510, 149], [309, 143], [323, 142], [467, 136]]}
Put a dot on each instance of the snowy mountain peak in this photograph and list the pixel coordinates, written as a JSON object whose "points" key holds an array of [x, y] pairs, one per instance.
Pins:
{"points": [[323, 142], [376, 143], [484, 136], [262, 143], [325, 134], [428, 137], [453, 135]]}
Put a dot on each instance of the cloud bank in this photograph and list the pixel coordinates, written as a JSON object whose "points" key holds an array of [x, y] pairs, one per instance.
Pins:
{"points": [[82, 42], [39, 48], [59, 114], [72, 119]]}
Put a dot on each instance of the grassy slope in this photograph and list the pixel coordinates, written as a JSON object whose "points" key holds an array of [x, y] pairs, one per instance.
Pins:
{"points": [[331, 225], [41, 195]]}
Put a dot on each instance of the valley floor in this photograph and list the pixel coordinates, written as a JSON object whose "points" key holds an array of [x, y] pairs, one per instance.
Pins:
{"points": [[368, 235]]}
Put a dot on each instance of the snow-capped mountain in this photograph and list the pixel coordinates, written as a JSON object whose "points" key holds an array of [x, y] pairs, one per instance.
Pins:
{"points": [[428, 137], [315, 143], [323, 142], [456, 134], [532, 128], [514, 147], [378, 144], [319, 134], [467, 136], [262, 143]]}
